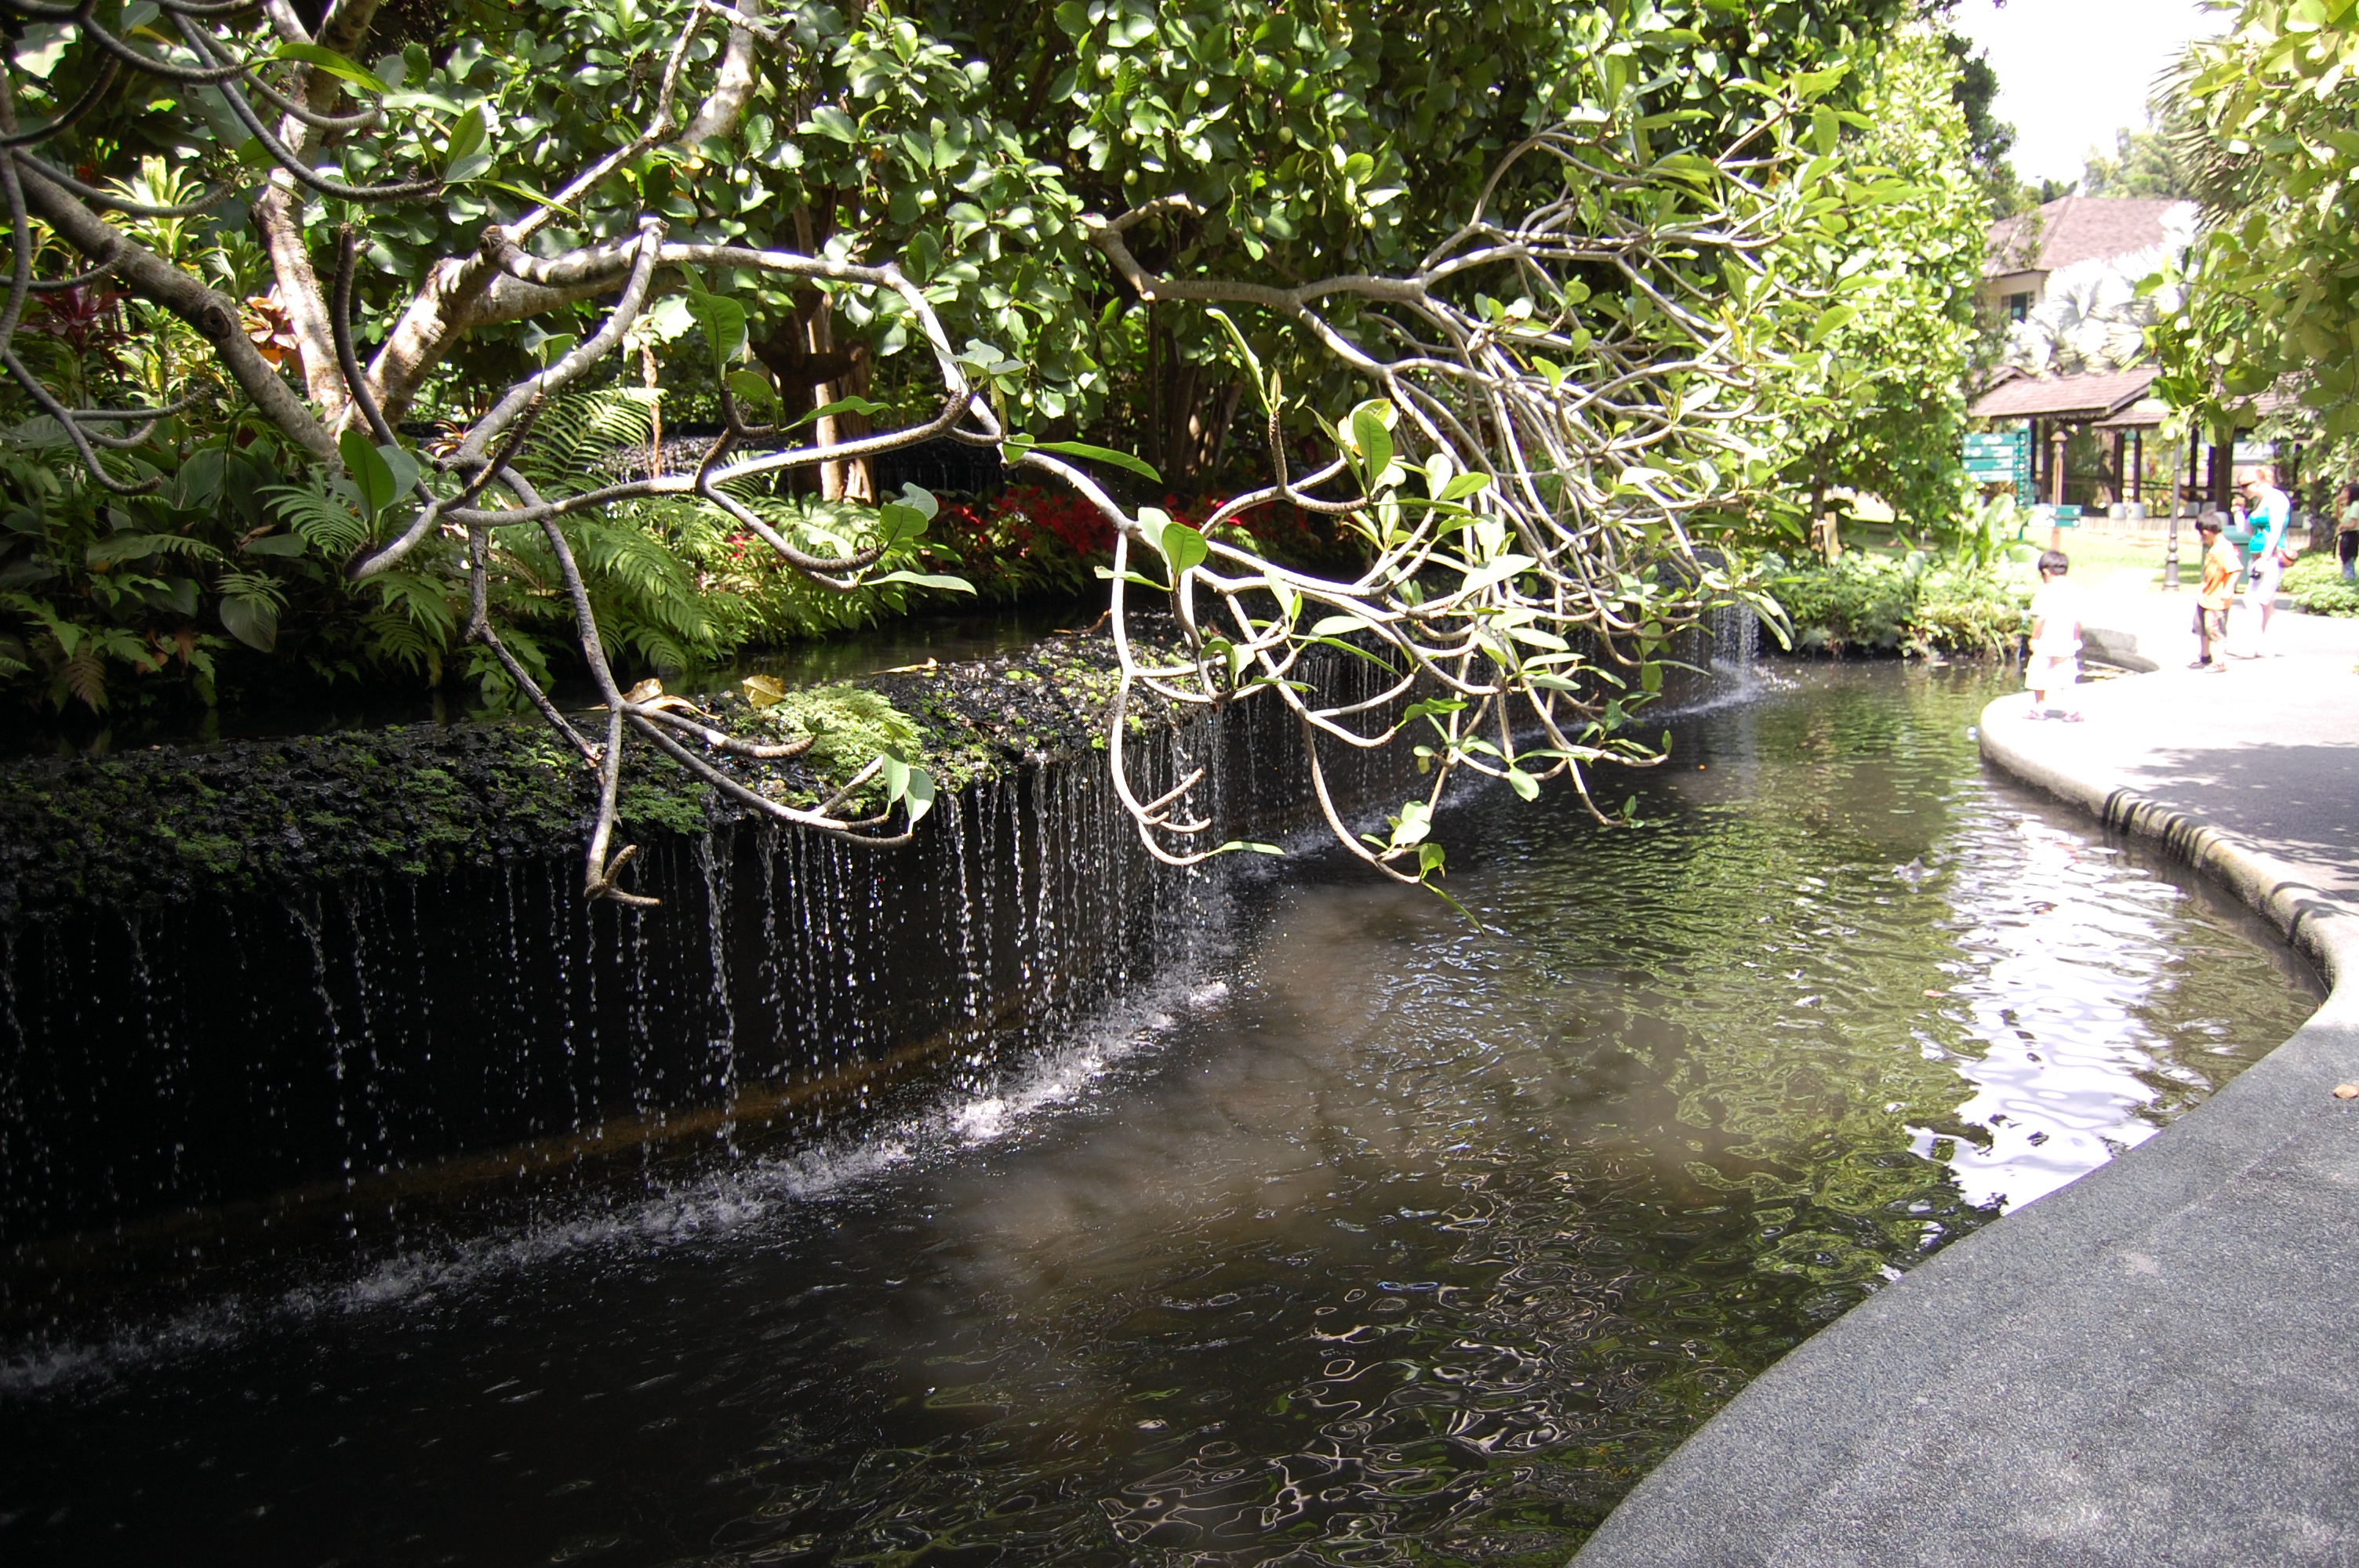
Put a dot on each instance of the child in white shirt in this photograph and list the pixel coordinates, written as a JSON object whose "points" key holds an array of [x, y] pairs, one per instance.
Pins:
{"points": [[2055, 660]]}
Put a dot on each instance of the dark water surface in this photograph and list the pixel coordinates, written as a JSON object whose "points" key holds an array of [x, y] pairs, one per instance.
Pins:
{"points": [[1390, 1241]]}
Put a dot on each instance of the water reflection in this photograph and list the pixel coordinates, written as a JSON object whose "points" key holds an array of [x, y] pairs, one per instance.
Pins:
{"points": [[1401, 1242]]}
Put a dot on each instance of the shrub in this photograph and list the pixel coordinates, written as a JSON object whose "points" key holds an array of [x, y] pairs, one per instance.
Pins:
{"points": [[1912, 604], [2315, 582]]}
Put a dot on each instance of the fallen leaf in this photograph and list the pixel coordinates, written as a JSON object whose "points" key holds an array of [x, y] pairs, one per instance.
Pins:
{"points": [[1937, 993], [646, 691], [2346, 1091]]}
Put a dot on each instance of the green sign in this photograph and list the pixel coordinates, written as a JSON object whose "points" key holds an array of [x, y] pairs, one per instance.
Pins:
{"points": [[2000, 456]]}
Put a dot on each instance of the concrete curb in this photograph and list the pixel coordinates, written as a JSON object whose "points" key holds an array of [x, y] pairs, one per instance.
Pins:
{"points": [[2319, 929], [2151, 1366]]}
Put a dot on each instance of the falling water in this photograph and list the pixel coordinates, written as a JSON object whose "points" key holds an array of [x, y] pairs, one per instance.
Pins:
{"points": [[328, 1062]]}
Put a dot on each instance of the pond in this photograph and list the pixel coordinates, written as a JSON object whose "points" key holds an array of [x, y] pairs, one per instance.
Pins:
{"points": [[1379, 1236]]}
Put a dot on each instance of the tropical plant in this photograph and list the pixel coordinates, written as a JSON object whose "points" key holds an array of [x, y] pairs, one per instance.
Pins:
{"points": [[2269, 294], [1557, 388], [1882, 408], [1914, 603]]}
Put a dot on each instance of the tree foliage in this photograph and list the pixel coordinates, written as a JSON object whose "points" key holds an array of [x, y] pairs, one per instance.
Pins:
{"points": [[2270, 111], [1530, 301], [1886, 409], [2145, 163]]}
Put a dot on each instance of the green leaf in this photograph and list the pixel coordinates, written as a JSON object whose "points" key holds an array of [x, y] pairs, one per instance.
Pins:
{"points": [[1183, 547], [1019, 445], [832, 121], [275, 545], [405, 467], [1830, 321], [199, 479], [918, 795], [1374, 441], [1250, 846], [1498, 571], [466, 136], [120, 547], [752, 389], [371, 476], [860, 405], [919, 500], [252, 619], [723, 321], [535, 197], [1462, 486], [1105, 574], [327, 59], [1252, 361], [1523, 784], [928, 580]]}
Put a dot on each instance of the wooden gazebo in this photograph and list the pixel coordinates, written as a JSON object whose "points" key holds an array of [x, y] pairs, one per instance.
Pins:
{"points": [[2053, 406]]}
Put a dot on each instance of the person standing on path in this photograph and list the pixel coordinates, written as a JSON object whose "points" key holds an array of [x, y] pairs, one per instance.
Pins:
{"points": [[2219, 568], [2271, 512], [2055, 659], [2346, 533]]}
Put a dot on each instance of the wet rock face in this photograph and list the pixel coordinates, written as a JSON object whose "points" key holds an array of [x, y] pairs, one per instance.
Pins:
{"points": [[168, 826]]}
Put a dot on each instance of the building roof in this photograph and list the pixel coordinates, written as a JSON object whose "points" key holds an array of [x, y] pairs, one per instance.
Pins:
{"points": [[2074, 398], [2073, 229], [2146, 414]]}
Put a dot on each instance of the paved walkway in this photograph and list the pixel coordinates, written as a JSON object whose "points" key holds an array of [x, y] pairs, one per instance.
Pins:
{"points": [[2158, 1365]]}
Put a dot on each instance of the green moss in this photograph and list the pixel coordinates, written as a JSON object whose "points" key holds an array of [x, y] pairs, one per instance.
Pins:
{"points": [[849, 726], [163, 826]]}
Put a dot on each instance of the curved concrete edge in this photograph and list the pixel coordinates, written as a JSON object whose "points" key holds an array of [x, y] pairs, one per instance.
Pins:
{"points": [[2150, 1366], [2319, 929]]}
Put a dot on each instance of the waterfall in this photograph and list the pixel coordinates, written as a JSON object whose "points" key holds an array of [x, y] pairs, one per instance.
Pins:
{"points": [[1735, 640], [359, 1047], [365, 1044]]}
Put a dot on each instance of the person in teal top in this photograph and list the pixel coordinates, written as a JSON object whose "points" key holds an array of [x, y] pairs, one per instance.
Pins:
{"points": [[2271, 511]]}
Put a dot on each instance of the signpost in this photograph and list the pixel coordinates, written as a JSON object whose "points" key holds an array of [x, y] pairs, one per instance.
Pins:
{"points": [[2001, 456], [2054, 519]]}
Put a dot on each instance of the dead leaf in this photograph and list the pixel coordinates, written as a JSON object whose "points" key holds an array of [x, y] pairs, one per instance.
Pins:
{"points": [[1937, 993], [2346, 1091], [646, 690], [763, 691]]}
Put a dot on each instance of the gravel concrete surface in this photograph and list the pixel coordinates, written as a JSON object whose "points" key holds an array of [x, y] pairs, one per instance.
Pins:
{"points": [[2158, 1365]]}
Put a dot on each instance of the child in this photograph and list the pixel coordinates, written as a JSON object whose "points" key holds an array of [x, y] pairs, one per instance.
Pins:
{"points": [[2055, 639], [2220, 566]]}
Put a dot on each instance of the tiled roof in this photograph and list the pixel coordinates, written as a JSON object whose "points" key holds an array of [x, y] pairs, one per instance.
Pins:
{"points": [[2087, 397], [2074, 229]]}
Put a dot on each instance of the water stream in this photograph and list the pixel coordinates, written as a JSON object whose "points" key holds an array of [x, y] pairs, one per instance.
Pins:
{"points": [[1363, 1236]]}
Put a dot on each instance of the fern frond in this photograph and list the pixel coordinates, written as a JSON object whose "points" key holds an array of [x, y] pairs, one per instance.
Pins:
{"points": [[326, 524], [426, 602], [575, 439]]}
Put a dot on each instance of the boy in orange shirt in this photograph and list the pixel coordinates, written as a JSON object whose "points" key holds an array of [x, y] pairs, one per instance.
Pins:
{"points": [[2219, 568]]}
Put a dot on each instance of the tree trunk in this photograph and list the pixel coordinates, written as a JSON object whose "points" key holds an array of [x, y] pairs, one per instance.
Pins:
{"points": [[278, 211]]}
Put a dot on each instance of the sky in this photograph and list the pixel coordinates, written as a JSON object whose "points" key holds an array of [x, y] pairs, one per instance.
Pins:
{"points": [[2071, 72]]}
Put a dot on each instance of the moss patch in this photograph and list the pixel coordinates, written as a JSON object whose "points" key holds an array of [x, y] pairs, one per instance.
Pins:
{"points": [[166, 825]]}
